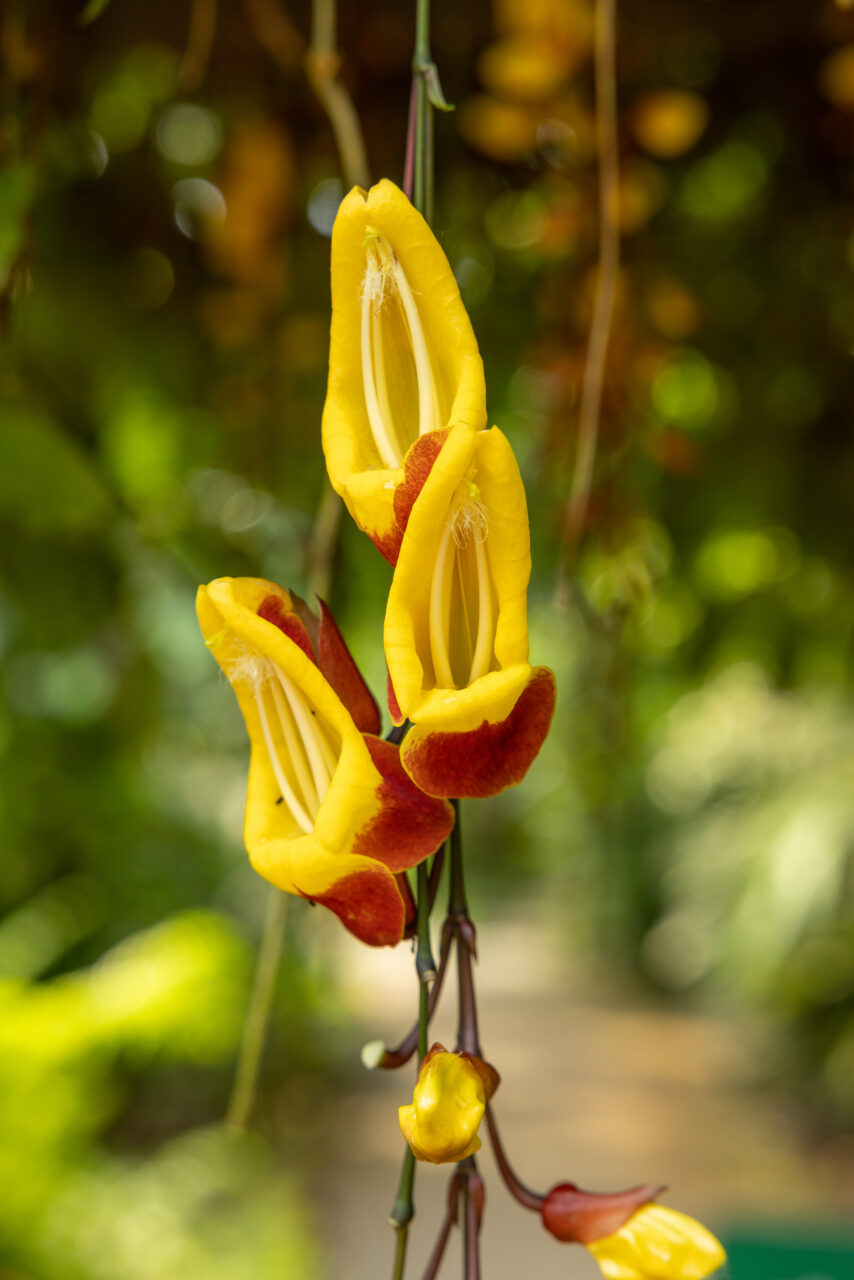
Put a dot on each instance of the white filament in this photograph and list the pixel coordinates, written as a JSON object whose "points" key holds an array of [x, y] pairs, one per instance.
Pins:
{"points": [[299, 813], [383, 269], [387, 451], [427, 408], [448, 564], [483, 648], [296, 750], [440, 610], [320, 756]]}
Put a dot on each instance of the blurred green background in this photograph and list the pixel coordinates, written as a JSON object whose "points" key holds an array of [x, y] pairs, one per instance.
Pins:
{"points": [[167, 190]]}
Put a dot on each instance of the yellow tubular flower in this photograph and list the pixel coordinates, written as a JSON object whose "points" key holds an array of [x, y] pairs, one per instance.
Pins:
{"points": [[630, 1236], [456, 632], [330, 813], [403, 359], [658, 1243], [447, 1107]]}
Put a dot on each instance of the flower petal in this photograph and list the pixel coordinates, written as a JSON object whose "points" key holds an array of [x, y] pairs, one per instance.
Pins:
{"points": [[327, 851], [484, 760], [659, 1243], [403, 357], [336, 663], [409, 825]]}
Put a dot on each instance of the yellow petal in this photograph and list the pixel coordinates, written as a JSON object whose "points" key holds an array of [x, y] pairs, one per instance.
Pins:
{"points": [[456, 634], [448, 1104], [658, 1243], [403, 358], [302, 818]]}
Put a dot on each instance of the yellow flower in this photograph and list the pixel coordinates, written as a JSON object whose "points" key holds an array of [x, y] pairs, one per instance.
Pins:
{"points": [[630, 1236], [403, 359], [447, 1107], [330, 813], [658, 1243], [456, 632]]}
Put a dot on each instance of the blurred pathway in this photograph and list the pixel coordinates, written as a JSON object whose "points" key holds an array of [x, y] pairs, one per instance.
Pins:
{"points": [[603, 1096]]}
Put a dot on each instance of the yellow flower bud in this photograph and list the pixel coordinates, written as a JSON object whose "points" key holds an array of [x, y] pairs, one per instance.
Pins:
{"points": [[447, 1107], [658, 1243]]}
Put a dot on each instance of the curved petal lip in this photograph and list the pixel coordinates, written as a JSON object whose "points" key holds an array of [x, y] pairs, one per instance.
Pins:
{"points": [[489, 758], [368, 903]]}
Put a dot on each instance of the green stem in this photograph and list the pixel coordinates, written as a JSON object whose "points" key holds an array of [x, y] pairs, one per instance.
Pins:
{"points": [[422, 195], [425, 967], [255, 1028], [458, 908]]}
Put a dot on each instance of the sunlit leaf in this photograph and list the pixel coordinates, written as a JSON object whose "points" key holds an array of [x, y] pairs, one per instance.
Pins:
{"points": [[47, 483]]}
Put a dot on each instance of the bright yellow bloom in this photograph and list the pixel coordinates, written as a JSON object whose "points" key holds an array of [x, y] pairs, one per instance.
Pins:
{"points": [[447, 1107], [456, 632], [658, 1243], [403, 359], [330, 813]]}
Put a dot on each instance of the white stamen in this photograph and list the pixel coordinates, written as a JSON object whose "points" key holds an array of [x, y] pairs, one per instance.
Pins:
{"points": [[440, 608], [296, 749], [428, 418], [385, 446], [298, 812], [322, 761], [483, 648]]}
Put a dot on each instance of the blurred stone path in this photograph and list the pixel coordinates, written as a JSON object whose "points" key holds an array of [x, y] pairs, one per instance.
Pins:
{"points": [[603, 1096]]}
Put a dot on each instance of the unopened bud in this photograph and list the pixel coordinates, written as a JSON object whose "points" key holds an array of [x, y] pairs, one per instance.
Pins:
{"points": [[372, 1054], [450, 1097]]}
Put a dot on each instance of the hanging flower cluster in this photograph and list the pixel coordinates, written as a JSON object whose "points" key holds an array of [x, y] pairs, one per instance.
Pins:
{"points": [[335, 813]]}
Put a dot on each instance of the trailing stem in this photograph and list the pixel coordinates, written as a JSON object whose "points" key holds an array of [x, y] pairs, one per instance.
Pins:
{"points": [[245, 1084], [603, 309], [403, 1210]]}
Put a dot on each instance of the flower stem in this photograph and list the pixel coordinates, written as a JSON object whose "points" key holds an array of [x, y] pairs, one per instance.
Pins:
{"points": [[402, 1213], [422, 178], [402, 1052], [468, 1037], [473, 1199], [255, 1028], [603, 308], [530, 1199], [403, 1210]]}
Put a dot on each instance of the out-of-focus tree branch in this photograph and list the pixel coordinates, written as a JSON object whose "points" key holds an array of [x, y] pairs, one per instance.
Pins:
{"points": [[603, 309]]}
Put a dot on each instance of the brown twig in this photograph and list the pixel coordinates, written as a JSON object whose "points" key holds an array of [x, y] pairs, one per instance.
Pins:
{"points": [[200, 38], [322, 63], [530, 1199], [473, 1201], [449, 1220], [275, 32], [603, 309]]}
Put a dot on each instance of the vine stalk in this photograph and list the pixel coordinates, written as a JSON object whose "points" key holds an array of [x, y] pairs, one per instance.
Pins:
{"points": [[606, 287]]}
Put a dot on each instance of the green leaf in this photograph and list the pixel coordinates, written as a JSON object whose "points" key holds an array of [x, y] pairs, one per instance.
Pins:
{"points": [[93, 10], [47, 483]]}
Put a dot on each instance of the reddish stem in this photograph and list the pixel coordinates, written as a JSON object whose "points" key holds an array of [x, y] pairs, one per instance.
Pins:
{"points": [[530, 1199], [445, 1231]]}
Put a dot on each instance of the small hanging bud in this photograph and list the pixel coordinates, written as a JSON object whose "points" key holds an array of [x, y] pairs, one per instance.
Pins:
{"points": [[450, 1097]]}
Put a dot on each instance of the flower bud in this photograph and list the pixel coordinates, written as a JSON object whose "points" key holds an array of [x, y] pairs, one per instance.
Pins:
{"points": [[630, 1236], [448, 1104]]}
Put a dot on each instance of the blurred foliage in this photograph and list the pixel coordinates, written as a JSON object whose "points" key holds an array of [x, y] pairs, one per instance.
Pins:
{"points": [[164, 228]]}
